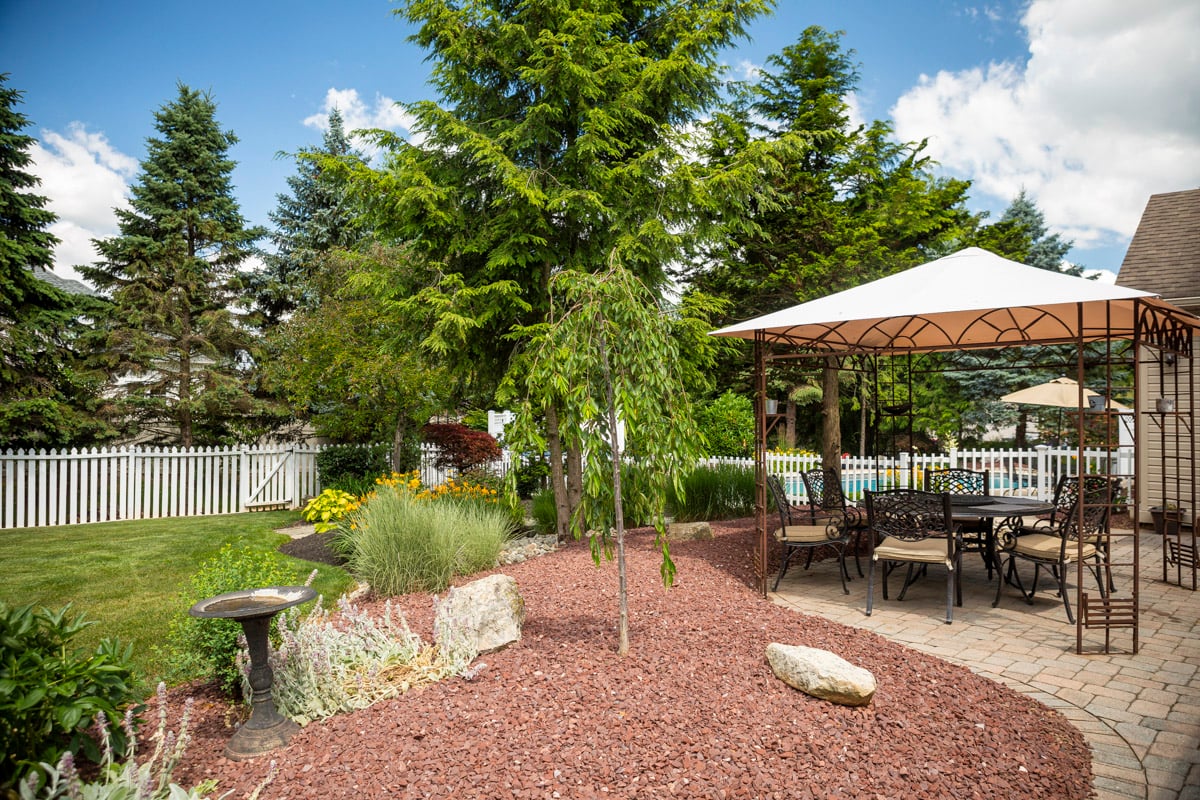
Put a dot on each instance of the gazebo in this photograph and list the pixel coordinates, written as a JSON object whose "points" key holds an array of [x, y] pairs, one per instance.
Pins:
{"points": [[974, 300]]}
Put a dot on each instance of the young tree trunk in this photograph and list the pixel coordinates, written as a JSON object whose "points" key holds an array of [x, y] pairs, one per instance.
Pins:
{"points": [[863, 414], [622, 592], [561, 502], [831, 426], [398, 442], [1022, 424]]}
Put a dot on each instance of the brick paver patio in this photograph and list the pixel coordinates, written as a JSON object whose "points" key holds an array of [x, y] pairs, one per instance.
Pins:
{"points": [[1140, 713]]}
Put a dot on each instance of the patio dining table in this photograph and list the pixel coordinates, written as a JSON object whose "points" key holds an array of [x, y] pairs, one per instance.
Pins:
{"points": [[1006, 512]]}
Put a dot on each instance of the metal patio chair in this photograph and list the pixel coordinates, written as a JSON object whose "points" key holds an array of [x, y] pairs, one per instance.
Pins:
{"points": [[797, 534], [824, 489], [908, 526], [958, 481]]}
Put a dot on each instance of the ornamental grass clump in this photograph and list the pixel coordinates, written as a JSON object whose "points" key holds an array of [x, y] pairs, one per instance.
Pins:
{"points": [[721, 491], [400, 543], [329, 664]]}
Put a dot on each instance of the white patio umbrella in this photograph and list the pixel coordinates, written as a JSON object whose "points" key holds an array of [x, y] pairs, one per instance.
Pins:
{"points": [[1059, 393]]}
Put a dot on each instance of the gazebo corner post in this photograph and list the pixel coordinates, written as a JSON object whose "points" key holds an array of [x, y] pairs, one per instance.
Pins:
{"points": [[762, 553], [1080, 466]]}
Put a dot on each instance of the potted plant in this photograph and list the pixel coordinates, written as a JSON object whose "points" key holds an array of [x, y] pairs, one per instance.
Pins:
{"points": [[1167, 519]]}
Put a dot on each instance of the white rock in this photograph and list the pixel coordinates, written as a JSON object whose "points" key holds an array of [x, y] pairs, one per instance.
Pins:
{"points": [[685, 531], [489, 612], [821, 673]]}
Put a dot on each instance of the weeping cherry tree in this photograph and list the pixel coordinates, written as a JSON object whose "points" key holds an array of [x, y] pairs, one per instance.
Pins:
{"points": [[606, 359]]}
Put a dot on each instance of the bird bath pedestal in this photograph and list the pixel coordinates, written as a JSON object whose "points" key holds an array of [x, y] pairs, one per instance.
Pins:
{"points": [[267, 728]]}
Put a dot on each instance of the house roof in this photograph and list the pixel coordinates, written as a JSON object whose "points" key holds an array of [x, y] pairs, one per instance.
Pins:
{"points": [[972, 298], [63, 284], [1164, 256]]}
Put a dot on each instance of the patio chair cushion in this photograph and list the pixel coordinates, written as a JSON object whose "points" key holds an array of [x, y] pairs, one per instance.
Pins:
{"points": [[1046, 547], [924, 551], [802, 533]]}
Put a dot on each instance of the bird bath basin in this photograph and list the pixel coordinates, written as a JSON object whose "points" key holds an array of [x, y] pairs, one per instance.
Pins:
{"points": [[253, 608]]}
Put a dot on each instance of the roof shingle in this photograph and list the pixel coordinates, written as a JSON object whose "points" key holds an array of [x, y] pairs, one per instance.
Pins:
{"points": [[1164, 256]]}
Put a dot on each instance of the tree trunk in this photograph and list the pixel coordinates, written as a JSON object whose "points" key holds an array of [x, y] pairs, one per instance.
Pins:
{"points": [[561, 502], [574, 478], [1022, 424], [790, 422], [831, 426], [398, 441], [863, 413], [622, 591], [185, 380]]}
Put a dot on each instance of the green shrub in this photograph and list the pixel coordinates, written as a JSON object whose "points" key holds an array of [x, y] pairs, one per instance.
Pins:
{"points": [[350, 467], [50, 689], [401, 543], [727, 425], [724, 491], [545, 512], [531, 477], [209, 647]]}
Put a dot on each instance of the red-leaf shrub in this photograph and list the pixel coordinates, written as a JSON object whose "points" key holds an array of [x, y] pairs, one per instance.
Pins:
{"points": [[461, 447]]}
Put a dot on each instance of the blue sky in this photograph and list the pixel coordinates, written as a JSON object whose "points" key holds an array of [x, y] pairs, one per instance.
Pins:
{"points": [[1090, 105]]}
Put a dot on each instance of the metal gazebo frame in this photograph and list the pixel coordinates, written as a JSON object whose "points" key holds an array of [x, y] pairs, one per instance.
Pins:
{"points": [[975, 300]]}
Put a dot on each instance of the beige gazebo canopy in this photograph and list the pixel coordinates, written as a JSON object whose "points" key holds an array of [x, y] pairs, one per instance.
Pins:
{"points": [[969, 299]]}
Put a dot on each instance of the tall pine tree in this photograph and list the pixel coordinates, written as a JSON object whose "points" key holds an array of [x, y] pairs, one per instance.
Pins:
{"points": [[852, 204], [1046, 250], [183, 360], [311, 221], [46, 400]]}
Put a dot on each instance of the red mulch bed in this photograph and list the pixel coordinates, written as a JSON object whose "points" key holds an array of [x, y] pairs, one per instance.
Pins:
{"points": [[692, 712]]}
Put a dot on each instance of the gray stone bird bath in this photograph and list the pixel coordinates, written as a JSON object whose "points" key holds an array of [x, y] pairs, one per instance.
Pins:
{"points": [[266, 729]]}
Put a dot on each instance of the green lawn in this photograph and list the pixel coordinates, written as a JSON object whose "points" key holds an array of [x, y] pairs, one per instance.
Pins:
{"points": [[127, 575]]}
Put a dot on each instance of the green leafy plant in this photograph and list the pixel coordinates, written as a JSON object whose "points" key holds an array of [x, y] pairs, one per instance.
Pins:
{"points": [[531, 477], [723, 491], [128, 780], [545, 513], [403, 543], [350, 466], [727, 425], [328, 665], [51, 689], [209, 647], [328, 508]]}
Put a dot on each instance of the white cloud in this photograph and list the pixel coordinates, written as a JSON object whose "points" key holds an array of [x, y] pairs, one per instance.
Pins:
{"points": [[357, 114], [1105, 113], [85, 178]]}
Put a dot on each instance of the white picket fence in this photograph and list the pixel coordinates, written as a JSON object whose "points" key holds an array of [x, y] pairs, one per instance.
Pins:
{"points": [[67, 487], [1032, 472]]}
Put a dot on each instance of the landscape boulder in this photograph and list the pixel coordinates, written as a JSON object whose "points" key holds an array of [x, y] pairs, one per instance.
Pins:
{"points": [[489, 612], [821, 673], [688, 531]]}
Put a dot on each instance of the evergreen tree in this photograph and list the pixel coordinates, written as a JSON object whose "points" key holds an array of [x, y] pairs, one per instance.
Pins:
{"points": [[183, 357], [850, 205], [555, 146], [1045, 251], [46, 400], [314, 219]]}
